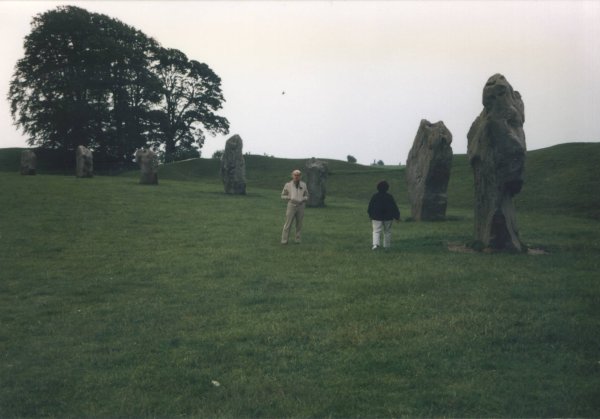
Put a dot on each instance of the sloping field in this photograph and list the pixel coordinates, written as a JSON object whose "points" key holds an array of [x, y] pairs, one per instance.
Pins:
{"points": [[126, 300], [559, 179]]}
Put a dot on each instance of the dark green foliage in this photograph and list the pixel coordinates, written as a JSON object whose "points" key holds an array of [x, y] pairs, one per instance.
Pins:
{"points": [[351, 159], [191, 95], [85, 79], [88, 79]]}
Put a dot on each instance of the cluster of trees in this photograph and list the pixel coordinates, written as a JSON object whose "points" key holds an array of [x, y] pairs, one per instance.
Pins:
{"points": [[88, 79]]}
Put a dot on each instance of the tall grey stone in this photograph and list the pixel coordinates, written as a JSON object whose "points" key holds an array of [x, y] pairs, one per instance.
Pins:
{"points": [[233, 167], [149, 166], [428, 171], [28, 162], [496, 151], [316, 172], [84, 160]]}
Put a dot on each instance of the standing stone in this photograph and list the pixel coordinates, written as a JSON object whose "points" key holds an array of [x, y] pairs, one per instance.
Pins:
{"points": [[233, 167], [428, 171], [496, 153], [28, 162], [316, 178], [84, 162], [149, 166]]}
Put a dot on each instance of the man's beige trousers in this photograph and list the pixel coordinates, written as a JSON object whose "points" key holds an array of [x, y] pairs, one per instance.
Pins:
{"points": [[293, 212]]}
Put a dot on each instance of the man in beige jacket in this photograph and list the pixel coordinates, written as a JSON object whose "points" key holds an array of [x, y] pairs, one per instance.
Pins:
{"points": [[295, 193]]}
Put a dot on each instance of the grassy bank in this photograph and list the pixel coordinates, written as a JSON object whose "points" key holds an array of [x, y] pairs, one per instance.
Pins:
{"points": [[118, 299]]}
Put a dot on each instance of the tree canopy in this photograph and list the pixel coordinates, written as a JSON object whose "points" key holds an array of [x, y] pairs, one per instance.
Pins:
{"points": [[88, 79]]}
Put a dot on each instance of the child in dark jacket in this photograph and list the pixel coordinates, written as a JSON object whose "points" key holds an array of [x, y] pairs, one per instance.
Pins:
{"points": [[382, 211]]}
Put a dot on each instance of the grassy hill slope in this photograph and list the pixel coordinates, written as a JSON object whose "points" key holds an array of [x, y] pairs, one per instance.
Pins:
{"points": [[346, 180], [559, 179], [563, 179]]}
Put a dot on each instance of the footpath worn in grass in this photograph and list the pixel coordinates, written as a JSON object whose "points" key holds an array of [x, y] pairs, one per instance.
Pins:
{"points": [[123, 300]]}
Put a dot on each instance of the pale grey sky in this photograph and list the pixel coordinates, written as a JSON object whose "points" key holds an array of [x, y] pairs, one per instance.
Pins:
{"points": [[359, 76]]}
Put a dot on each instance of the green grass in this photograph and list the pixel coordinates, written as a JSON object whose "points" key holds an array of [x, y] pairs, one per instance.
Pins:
{"points": [[124, 300]]}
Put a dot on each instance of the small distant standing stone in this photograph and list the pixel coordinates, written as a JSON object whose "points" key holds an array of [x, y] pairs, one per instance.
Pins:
{"points": [[233, 167], [316, 178], [84, 162], [496, 151], [428, 171], [149, 165], [28, 162]]}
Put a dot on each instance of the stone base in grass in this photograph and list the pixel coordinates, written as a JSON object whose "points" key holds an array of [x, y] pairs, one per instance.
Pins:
{"points": [[463, 248]]}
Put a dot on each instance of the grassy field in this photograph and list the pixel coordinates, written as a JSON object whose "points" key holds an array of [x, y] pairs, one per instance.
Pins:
{"points": [[124, 300]]}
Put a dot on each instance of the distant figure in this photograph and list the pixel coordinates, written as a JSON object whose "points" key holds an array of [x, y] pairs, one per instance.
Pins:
{"points": [[382, 211], [295, 193]]}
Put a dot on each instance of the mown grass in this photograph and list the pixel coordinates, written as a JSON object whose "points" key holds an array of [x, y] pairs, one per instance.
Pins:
{"points": [[118, 299]]}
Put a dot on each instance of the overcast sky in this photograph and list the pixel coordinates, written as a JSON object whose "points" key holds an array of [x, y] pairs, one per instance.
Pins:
{"points": [[359, 76]]}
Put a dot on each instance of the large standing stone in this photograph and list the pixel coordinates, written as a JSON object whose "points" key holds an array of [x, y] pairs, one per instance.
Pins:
{"points": [[496, 152], [233, 167], [316, 179], [28, 162], [149, 166], [428, 171], [84, 160]]}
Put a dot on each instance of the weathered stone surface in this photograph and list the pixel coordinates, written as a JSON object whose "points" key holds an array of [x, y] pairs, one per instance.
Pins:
{"points": [[84, 160], [496, 153], [428, 171], [316, 172], [148, 165], [28, 162], [233, 167]]}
